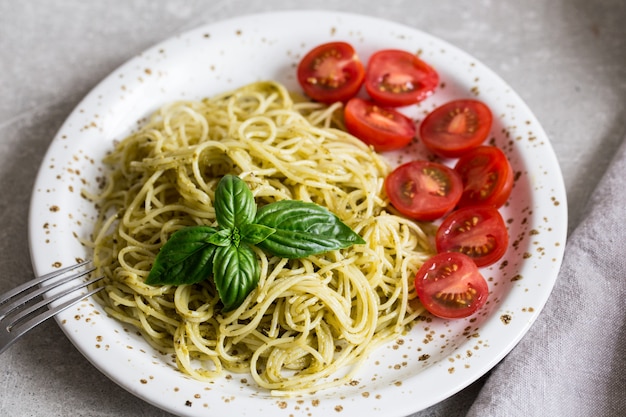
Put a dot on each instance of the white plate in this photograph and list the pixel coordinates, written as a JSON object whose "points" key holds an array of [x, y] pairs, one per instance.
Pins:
{"points": [[437, 358]]}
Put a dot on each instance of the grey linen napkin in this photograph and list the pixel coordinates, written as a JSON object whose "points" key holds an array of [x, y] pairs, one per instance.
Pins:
{"points": [[572, 362]]}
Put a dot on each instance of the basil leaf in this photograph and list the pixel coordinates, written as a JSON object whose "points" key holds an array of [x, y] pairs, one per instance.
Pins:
{"points": [[222, 237], [303, 229], [255, 233], [186, 258], [236, 272], [234, 203]]}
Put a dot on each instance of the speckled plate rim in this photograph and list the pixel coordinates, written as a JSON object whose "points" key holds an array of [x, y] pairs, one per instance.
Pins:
{"points": [[432, 362]]}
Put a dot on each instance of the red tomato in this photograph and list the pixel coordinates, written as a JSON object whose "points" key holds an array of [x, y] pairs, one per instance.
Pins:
{"points": [[478, 232], [487, 177], [449, 285], [331, 72], [423, 190], [382, 127], [456, 127], [398, 78]]}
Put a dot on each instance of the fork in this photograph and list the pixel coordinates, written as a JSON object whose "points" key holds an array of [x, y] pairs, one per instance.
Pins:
{"points": [[24, 307]]}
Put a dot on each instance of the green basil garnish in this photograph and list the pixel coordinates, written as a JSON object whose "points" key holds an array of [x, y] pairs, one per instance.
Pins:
{"points": [[236, 272], [234, 203], [303, 229], [289, 229], [186, 258], [222, 237], [255, 233]]}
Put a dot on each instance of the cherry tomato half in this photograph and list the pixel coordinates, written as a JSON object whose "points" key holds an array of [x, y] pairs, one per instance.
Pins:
{"points": [[398, 78], [456, 127], [382, 127], [423, 190], [331, 72], [478, 232], [487, 177], [449, 285]]}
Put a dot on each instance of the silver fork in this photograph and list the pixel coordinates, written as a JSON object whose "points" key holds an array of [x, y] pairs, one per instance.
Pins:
{"points": [[25, 306]]}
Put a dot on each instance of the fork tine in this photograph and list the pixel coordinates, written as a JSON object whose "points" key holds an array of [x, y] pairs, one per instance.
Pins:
{"points": [[10, 302], [17, 331], [23, 314], [29, 284]]}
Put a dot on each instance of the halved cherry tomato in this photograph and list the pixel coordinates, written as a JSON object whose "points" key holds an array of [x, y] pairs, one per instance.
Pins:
{"points": [[382, 127], [478, 232], [487, 177], [423, 190], [456, 127], [331, 72], [449, 285], [398, 78]]}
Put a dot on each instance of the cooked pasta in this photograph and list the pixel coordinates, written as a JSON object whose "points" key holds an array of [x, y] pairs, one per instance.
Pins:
{"points": [[310, 322]]}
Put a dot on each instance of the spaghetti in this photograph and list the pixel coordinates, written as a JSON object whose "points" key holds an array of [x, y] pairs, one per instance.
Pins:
{"points": [[310, 322]]}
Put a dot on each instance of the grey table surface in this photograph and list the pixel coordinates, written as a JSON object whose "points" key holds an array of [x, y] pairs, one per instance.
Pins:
{"points": [[565, 58]]}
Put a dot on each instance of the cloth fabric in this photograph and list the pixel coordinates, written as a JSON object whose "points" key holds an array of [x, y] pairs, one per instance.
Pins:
{"points": [[572, 362]]}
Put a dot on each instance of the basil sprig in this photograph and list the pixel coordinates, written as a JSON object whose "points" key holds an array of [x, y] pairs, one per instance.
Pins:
{"points": [[289, 229]]}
